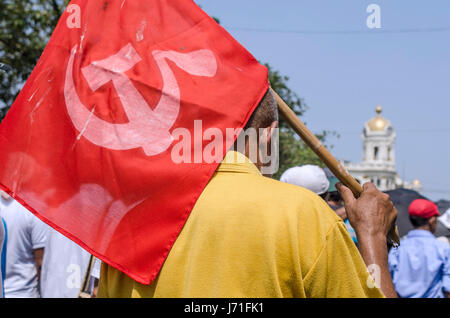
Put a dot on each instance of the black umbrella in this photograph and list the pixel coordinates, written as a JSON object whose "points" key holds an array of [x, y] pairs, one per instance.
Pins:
{"points": [[443, 205], [402, 198]]}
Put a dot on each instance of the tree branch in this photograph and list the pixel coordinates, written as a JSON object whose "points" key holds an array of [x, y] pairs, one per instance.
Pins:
{"points": [[56, 8]]}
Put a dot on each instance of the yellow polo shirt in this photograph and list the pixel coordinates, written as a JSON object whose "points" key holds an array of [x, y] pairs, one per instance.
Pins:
{"points": [[252, 236]]}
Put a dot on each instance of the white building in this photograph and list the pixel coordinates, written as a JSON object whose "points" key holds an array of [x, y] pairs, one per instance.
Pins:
{"points": [[378, 162]]}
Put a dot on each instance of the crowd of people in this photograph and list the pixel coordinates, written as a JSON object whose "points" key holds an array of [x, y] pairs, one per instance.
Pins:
{"points": [[38, 261], [420, 266], [248, 236]]}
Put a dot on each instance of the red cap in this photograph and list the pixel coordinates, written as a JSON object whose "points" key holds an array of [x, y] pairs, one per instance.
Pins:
{"points": [[423, 209]]}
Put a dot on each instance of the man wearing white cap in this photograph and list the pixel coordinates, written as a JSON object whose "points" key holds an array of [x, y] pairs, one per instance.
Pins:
{"points": [[308, 176]]}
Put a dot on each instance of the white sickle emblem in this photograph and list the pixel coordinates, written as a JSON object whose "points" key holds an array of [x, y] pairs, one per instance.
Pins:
{"points": [[146, 128]]}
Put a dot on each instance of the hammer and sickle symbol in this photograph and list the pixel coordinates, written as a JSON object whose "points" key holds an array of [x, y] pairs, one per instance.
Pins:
{"points": [[147, 128]]}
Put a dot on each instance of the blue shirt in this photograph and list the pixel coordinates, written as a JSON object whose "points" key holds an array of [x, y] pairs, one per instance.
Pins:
{"points": [[420, 266], [351, 231]]}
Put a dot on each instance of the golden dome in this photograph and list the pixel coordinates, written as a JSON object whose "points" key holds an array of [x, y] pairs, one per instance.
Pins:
{"points": [[378, 123], [416, 182]]}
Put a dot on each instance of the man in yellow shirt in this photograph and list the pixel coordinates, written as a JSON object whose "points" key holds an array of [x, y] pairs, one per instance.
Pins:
{"points": [[252, 236]]}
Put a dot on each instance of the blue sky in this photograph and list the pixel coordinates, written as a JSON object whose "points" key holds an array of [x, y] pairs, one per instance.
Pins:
{"points": [[343, 76]]}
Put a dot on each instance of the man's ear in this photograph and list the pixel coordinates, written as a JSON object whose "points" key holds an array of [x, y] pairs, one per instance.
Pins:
{"points": [[432, 222], [268, 149], [269, 131]]}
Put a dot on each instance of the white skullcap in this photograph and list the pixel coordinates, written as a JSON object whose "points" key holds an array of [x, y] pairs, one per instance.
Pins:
{"points": [[307, 176]]}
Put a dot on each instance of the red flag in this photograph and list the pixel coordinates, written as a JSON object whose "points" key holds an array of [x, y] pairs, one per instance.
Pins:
{"points": [[88, 146]]}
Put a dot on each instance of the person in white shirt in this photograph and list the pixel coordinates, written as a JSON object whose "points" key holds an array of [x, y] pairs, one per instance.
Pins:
{"points": [[3, 239], [25, 249], [64, 268]]}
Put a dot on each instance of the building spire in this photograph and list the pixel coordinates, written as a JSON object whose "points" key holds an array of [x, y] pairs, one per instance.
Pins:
{"points": [[378, 109]]}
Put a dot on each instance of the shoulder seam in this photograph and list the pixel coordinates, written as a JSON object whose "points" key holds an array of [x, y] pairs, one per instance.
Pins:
{"points": [[321, 250]]}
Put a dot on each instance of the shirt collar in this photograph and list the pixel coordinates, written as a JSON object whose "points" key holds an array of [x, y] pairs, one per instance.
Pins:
{"points": [[420, 233], [236, 162]]}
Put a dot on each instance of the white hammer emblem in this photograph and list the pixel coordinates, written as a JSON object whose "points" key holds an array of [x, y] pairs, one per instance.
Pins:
{"points": [[146, 127]]}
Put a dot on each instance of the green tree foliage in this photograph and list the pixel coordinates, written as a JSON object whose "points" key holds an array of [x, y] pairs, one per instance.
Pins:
{"points": [[26, 26], [293, 151]]}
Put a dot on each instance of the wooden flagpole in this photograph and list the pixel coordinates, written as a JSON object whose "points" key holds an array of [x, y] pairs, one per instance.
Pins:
{"points": [[327, 158]]}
